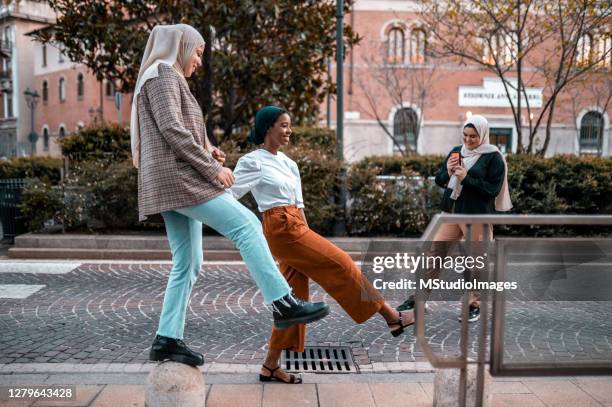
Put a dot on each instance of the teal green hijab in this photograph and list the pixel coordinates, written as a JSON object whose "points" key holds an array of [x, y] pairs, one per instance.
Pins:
{"points": [[264, 119]]}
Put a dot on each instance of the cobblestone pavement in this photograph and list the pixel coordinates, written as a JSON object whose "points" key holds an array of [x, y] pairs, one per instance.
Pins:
{"points": [[108, 313]]}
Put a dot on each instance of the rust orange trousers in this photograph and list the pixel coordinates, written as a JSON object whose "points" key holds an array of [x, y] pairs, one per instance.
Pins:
{"points": [[302, 255]]}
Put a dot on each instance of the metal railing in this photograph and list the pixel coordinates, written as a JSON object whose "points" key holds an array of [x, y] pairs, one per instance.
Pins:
{"points": [[461, 362], [13, 222]]}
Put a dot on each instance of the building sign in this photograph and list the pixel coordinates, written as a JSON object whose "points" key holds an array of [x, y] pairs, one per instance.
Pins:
{"points": [[493, 94]]}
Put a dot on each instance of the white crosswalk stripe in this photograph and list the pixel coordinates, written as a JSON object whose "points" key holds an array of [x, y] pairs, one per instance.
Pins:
{"points": [[37, 267], [18, 291]]}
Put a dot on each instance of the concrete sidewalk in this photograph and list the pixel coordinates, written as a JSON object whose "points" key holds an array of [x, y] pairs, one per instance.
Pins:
{"points": [[354, 390]]}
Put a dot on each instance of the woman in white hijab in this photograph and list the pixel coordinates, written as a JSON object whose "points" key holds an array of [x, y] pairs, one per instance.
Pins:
{"points": [[181, 176], [475, 178]]}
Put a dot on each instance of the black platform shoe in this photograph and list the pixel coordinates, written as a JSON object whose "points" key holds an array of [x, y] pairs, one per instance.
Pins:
{"points": [[174, 349], [290, 310]]}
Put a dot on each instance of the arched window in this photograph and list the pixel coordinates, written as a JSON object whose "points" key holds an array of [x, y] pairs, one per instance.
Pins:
{"points": [[62, 132], [46, 139], [45, 91], [405, 124], [110, 89], [395, 46], [417, 46], [591, 133], [605, 50], [503, 49], [62, 89], [585, 45], [44, 55], [80, 86]]}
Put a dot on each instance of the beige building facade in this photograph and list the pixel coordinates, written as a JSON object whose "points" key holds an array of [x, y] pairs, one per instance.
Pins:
{"points": [[17, 18], [69, 96]]}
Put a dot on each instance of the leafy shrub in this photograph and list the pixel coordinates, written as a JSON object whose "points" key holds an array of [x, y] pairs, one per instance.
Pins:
{"points": [[40, 202], [98, 141], [46, 168]]}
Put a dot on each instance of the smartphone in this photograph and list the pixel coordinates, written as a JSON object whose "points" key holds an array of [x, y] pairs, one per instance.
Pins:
{"points": [[456, 155]]}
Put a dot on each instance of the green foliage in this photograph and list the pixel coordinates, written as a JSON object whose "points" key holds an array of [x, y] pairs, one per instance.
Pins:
{"points": [[424, 165], [388, 195], [40, 202], [559, 185], [265, 51], [98, 141], [46, 168], [101, 194], [399, 205]]}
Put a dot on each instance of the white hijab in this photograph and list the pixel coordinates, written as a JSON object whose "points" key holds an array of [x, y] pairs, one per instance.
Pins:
{"points": [[469, 158], [168, 44]]}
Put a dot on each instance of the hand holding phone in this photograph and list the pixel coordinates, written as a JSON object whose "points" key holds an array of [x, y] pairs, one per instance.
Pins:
{"points": [[453, 162]]}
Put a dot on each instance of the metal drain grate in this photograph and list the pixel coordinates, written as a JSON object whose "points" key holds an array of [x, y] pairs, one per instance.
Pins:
{"points": [[320, 359]]}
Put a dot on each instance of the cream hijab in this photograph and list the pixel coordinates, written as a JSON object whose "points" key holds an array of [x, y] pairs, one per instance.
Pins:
{"points": [[168, 44], [469, 158]]}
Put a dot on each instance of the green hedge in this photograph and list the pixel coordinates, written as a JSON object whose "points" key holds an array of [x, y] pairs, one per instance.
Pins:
{"points": [[45, 168], [401, 205], [101, 193], [96, 195], [98, 141], [424, 165], [557, 185]]}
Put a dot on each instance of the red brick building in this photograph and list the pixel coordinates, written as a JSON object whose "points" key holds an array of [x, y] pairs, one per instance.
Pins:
{"points": [[373, 97], [71, 97]]}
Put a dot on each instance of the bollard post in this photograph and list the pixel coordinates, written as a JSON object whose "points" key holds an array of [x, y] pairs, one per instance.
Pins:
{"points": [[172, 384]]}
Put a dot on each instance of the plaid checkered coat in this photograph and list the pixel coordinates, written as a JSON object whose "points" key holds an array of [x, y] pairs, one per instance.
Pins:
{"points": [[176, 170]]}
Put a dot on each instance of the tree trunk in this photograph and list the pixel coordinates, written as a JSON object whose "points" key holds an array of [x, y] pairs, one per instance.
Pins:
{"points": [[207, 86], [519, 81], [549, 121]]}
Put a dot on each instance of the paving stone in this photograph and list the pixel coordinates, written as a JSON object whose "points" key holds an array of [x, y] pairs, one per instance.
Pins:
{"points": [[514, 400], [108, 313], [599, 388], [120, 395], [406, 394], [84, 396], [561, 393], [275, 395], [508, 388], [345, 395], [232, 395]]}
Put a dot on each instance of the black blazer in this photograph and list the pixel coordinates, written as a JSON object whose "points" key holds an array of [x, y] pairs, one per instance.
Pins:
{"points": [[480, 186]]}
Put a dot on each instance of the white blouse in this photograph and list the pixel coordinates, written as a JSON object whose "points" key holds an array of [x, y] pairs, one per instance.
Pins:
{"points": [[274, 180]]}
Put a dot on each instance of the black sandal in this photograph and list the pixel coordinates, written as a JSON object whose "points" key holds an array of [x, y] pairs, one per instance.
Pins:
{"points": [[293, 379], [397, 332]]}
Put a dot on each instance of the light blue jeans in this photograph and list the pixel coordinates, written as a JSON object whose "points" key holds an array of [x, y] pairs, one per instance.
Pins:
{"points": [[184, 229]]}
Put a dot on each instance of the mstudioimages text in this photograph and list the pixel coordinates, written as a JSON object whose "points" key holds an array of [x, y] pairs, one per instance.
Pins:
{"points": [[411, 263], [438, 284]]}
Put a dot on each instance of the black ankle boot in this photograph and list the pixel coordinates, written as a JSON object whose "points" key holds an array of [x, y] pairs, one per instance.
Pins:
{"points": [[290, 310], [174, 349]]}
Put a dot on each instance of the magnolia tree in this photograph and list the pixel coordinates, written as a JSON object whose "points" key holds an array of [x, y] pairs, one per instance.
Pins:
{"points": [[257, 52], [524, 43]]}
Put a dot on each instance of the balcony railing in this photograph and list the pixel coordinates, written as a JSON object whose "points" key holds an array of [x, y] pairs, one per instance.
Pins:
{"points": [[6, 46]]}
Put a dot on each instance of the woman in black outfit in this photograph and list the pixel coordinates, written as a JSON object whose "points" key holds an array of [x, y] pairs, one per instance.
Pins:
{"points": [[475, 178]]}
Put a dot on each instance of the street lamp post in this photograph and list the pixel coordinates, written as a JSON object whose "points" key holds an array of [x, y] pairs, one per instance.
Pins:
{"points": [[340, 223], [31, 100]]}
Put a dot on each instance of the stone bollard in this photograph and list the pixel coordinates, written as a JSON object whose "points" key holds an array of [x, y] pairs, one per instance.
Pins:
{"points": [[446, 388], [172, 384]]}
